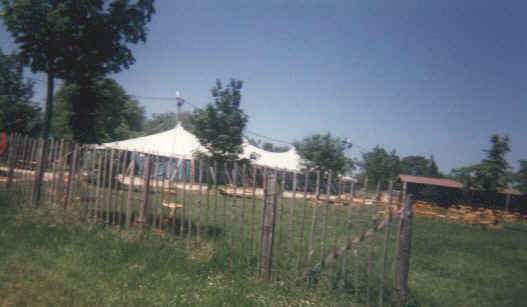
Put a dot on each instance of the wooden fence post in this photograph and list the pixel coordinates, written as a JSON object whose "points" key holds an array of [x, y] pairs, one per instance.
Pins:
{"points": [[131, 170], [402, 253], [147, 171], [403, 194], [311, 243], [107, 192], [325, 218], [242, 210], [301, 234], [25, 167], [292, 214], [387, 235], [234, 182], [200, 200], [40, 173], [13, 147], [269, 218], [98, 186], [71, 176], [110, 213], [348, 233], [371, 256], [253, 208], [357, 288]]}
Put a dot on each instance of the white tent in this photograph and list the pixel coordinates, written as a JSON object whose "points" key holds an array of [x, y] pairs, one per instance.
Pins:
{"points": [[179, 143], [288, 160]]}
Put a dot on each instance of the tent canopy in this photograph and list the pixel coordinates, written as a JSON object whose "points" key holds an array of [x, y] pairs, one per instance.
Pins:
{"points": [[179, 143]]}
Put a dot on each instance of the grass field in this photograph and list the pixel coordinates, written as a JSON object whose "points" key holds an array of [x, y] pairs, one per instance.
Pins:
{"points": [[44, 261], [462, 265]]}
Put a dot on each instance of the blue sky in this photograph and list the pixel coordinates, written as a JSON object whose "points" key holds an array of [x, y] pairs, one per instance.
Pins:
{"points": [[423, 77]]}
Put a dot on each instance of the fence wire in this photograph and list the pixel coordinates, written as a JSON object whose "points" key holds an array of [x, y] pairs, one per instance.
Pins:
{"points": [[326, 231]]}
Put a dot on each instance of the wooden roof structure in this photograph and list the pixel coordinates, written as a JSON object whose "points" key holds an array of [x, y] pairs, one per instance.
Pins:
{"points": [[448, 183]]}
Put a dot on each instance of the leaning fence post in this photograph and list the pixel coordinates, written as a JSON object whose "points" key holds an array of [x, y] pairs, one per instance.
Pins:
{"points": [[146, 190], [268, 224], [402, 253]]}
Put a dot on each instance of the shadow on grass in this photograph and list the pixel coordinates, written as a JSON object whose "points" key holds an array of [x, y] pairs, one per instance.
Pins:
{"points": [[170, 225]]}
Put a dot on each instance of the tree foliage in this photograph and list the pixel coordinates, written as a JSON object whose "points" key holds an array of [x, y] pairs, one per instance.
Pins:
{"points": [[419, 166], [414, 165], [268, 145], [322, 152], [166, 121], [521, 176], [275, 148], [254, 142], [433, 169], [76, 40], [219, 126], [465, 175], [17, 112], [117, 115], [492, 173], [379, 165]]}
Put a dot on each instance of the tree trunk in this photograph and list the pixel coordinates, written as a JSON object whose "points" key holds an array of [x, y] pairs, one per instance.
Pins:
{"points": [[82, 120], [45, 135], [49, 106]]}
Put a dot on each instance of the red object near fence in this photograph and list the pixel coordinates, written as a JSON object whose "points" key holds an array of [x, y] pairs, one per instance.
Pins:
{"points": [[3, 142]]}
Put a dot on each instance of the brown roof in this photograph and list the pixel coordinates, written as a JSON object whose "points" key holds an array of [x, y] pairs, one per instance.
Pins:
{"points": [[449, 183], [510, 191]]}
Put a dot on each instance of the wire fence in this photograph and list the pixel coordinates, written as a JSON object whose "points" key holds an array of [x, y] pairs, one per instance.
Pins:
{"points": [[310, 227]]}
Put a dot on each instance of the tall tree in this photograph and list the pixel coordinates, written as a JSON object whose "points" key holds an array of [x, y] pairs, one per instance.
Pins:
{"points": [[415, 165], [17, 112], [521, 176], [420, 166], [117, 115], [219, 126], [76, 40], [380, 166], [465, 175], [323, 152], [492, 173], [433, 169]]}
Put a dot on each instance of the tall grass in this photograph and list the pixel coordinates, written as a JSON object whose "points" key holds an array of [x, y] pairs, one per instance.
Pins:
{"points": [[50, 258], [46, 260]]}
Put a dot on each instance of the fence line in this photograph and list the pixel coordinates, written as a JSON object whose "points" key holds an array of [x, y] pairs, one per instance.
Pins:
{"points": [[283, 225]]}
